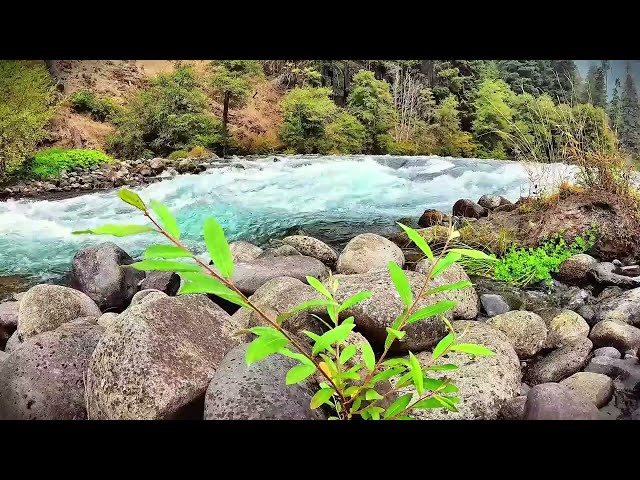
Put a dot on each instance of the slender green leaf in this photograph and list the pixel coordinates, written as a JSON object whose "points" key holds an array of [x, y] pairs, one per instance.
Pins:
{"points": [[333, 368], [392, 334], [416, 372], [405, 417], [443, 345], [262, 347], [443, 263], [197, 282], [472, 254], [218, 247], [401, 283], [131, 198], [167, 220], [392, 362], [314, 336], [451, 286], [446, 366], [337, 334], [165, 251], [356, 404], [396, 323], [398, 406], [320, 397], [315, 283], [266, 331], [304, 306], [371, 412], [442, 386], [472, 349], [372, 395], [347, 375], [431, 310], [446, 403], [367, 356], [116, 230], [347, 353], [404, 380], [298, 373], [351, 301], [164, 266], [418, 240], [428, 403], [351, 391], [298, 356], [386, 374]]}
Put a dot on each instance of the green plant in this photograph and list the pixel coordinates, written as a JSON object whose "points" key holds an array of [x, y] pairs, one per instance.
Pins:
{"points": [[350, 393], [100, 108], [49, 163], [178, 154], [27, 104]]}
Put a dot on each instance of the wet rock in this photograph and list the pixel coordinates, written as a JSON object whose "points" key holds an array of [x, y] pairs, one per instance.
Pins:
{"points": [[494, 304], [431, 217], [98, 272], [167, 282], [368, 252], [312, 247], [559, 364], [593, 387], [564, 328], [46, 307], [575, 269], [552, 401], [244, 251], [258, 391], [525, 330], [468, 208], [615, 334], [513, 409]]}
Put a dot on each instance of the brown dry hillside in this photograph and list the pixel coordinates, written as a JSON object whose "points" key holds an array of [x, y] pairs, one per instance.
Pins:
{"points": [[257, 122]]}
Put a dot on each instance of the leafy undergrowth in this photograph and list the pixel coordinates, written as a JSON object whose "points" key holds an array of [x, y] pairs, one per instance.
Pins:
{"points": [[49, 163]]}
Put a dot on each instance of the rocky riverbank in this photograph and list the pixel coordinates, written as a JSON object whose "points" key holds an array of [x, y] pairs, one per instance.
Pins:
{"points": [[118, 344]]}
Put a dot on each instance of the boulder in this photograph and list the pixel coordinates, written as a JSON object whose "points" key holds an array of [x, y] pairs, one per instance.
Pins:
{"points": [[575, 269], [8, 321], [157, 165], [604, 274], [437, 233], [43, 379], [3, 356], [552, 401], [469, 208], [312, 247], [258, 391], [615, 334], [559, 364], [625, 308], [607, 352], [106, 319], [626, 370], [564, 328], [376, 313], [98, 271], [46, 307], [593, 387], [250, 276], [281, 251], [513, 409], [467, 302], [494, 304], [431, 217], [156, 361], [167, 282], [244, 251], [368, 252], [525, 330], [491, 201], [484, 383], [12, 343]]}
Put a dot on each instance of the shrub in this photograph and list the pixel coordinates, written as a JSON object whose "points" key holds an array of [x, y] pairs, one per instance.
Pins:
{"points": [[27, 97], [198, 151], [100, 108], [49, 163], [349, 388], [178, 154], [345, 134]]}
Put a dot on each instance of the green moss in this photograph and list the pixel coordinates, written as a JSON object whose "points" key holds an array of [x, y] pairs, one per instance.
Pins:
{"points": [[49, 163]]}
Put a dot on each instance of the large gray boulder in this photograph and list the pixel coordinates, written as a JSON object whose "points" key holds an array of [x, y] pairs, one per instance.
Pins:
{"points": [[575, 269], [376, 313], [467, 301], [244, 251], [552, 401], [46, 307], [615, 334], [167, 282], [250, 276], [312, 247], [560, 363], [624, 308], [494, 304], [484, 383], [597, 388], [98, 271], [258, 391], [564, 328], [43, 379], [367, 252], [605, 274], [526, 331], [156, 360], [8, 321]]}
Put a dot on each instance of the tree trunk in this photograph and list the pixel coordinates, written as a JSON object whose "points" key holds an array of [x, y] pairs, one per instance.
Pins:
{"points": [[225, 117]]}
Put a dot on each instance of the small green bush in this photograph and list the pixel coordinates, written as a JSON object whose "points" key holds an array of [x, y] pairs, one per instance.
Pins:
{"points": [[49, 163], [178, 154], [100, 108]]}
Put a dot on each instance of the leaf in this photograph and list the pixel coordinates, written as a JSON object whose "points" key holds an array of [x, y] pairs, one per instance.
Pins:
{"points": [[372, 395], [164, 266], [367, 356], [337, 334], [262, 347], [443, 263], [442, 386], [299, 373], [320, 397], [446, 403], [446, 366], [298, 356], [315, 283], [472, 349], [431, 310], [347, 353], [351, 391], [443, 345], [428, 403], [266, 331], [451, 286], [392, 334], [314, 336], [304, 306], [351, 301], [476, 254], [418, 240], [386, 374], [396, 361], [416, 373], [398, 406], [165, 251], [131, 198], [116, 230], [167, 220], [200, 283], [400, 282], [372, 412], [405, 417], [218, 247]]}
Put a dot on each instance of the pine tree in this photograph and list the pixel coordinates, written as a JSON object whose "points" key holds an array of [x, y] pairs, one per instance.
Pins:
{"points": [[630, 123], [595, 87], [615, 109]]}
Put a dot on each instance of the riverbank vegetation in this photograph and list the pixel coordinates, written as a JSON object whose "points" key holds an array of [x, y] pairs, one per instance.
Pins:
{"points": [[532, 110]]}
